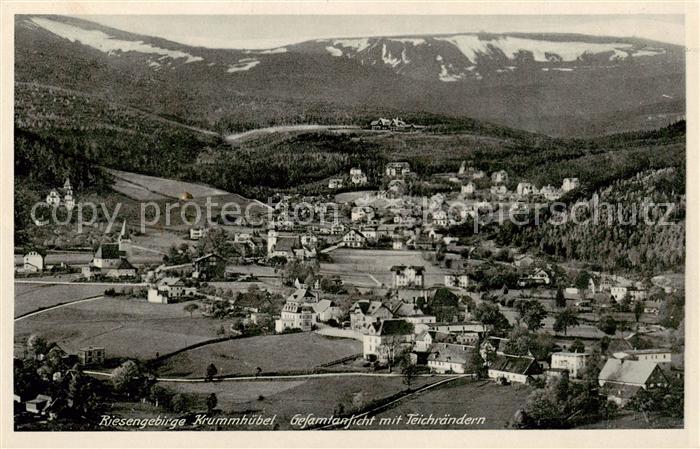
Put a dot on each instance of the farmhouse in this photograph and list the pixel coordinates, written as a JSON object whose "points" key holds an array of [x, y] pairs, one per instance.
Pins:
{"points": [[550, 193], [621, 379], [33, 262], [168, 290], [91, 356], [209, 266], [574, 362], [354, 239], [407, 276], [537, 277], [196, 233], [384, 339], [452, 358], [364, 312], [380, 124], [660, 356], [523, 260], [327, 310], [511, 368]]}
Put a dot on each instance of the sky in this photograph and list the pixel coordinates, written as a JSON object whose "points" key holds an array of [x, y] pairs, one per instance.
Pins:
{"points": [[269, 31]]}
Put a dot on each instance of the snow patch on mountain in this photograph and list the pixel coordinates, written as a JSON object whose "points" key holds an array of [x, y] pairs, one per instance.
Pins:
{"points": [[542, 50], [106, 43], [243, 65], [334, 51], [356, 44], [406, 40], [270, 51], [388, 58]]}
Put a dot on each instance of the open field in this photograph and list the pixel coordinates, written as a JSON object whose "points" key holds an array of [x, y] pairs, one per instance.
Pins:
{"points": [[146, 188], [270, 353], [486, 399], [320, 396], [125, 327], [355, 265], [30, 297]]}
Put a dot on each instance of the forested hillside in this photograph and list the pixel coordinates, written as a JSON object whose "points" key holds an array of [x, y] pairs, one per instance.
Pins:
{"points": [[640, 225]]}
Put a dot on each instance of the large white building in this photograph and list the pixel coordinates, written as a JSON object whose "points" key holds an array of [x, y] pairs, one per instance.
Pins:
{"points": [[574, 362], [407, 276]]}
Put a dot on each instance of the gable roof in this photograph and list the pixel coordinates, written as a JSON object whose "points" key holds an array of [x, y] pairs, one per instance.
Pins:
{"points": [[323, 305], [300, 295], [452, 353], [287, 243], [392, 327], [367, 307], [417, 268], [627, 371], [515, 364]]}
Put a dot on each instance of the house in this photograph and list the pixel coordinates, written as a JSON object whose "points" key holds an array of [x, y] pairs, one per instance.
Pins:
{"points": [[660, 356], [196, 233], [468, 188], [39, 404], [394, 169], [457, 280], [439, 218], [326, 310], [538, 277], [91, 356], [550, 193], [365, 312], [525, 188], [288, 247], [569, 184], [354, 239], [210, 266], [33, 262], [499, 177], [511, 368], [53, 199], [574, 362], [492, 345], [109, 261], [169, 290], [407, 276], [622, 378], [357, 177], [385, 339], [361, 213], [380, 124], [452, 358], [296, 315], [335, 183]]}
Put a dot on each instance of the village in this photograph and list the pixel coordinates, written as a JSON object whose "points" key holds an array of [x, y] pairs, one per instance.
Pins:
{"points": [[388, 271]]}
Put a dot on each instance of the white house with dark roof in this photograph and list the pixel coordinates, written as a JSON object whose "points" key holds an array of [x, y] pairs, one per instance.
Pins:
{"points": [[622, 378], [512, 368], [573, 362], [449, 357], [408, 276], [386, 338]]}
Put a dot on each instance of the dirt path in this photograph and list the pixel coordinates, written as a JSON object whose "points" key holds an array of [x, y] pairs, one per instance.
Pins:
{"points": [[284, 128], [58, 306]]}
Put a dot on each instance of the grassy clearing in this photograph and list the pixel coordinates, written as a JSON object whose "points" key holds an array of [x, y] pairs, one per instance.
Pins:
{"points": [[496, 403], [319, 396], [146, 188], [269, 352], [30, 297], [126, 328], [355, 265]]}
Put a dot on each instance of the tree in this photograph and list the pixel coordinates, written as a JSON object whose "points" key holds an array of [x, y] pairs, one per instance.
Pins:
{"points": [[211, 402], [604, 344], [577, 346], [191, 307], [211, 372], [608, 324], [37, 344], [490, 315], [532, 313], [638, 310], [126, 378], [409, 371], [179, 403], [559, 299], [564, 319], [480, 368]]}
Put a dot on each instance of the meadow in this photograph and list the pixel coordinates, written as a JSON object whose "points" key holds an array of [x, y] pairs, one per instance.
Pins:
{"points": [[277, 353], [31, 297]]}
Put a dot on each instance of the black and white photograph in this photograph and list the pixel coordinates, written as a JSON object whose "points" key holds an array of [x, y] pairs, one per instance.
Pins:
{"points": [[348, 222]]}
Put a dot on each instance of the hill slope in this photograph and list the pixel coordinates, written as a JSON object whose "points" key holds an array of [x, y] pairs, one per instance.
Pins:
{"points": [[556, 84]]}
